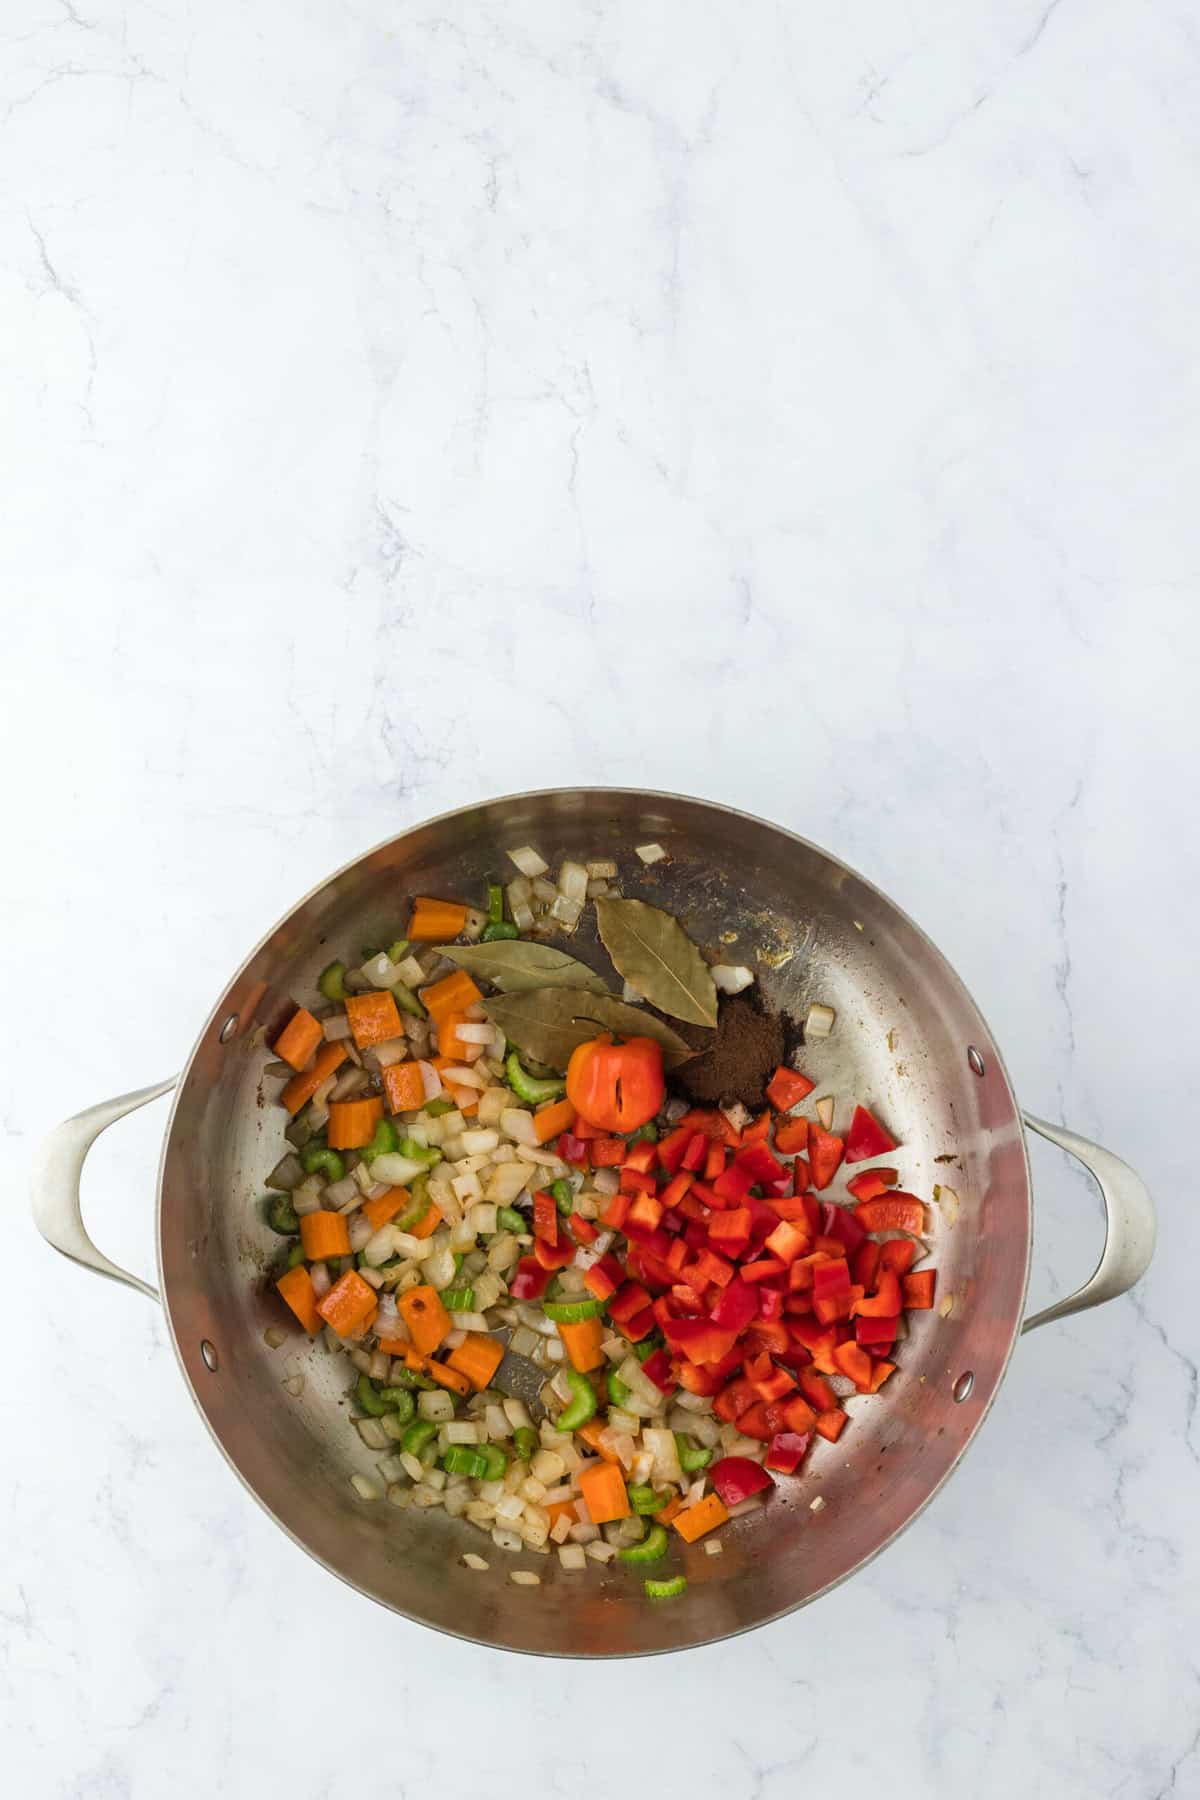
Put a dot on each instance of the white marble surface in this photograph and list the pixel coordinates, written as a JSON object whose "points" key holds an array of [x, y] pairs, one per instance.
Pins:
{"points": [[795, 406]]}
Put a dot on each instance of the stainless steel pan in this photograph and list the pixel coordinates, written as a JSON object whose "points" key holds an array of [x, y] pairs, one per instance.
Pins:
{"points": [[820, 932]]}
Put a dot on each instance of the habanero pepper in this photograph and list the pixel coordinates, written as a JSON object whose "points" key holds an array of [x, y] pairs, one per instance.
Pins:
{"points": [[619, 1087]]}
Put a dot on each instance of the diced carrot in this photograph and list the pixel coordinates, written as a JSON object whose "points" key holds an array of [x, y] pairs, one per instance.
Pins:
{"points": [[394, 1346], [378, 1212], [583, 1342], [918, 1289], [831, 1424], [427, 1224], [603, 1487], [403, 1087], [300, 1039], [348, 1305], [666, 1513], [477, 1358], [548, 1121], [453, 994], [297, 1289], [696, 1521], [435, 920], [447, 1377], [558, 1508], [352, 1122], [301, 1088], [373, 1018], [324, 1234], [425, 1316], [591, 1434]]}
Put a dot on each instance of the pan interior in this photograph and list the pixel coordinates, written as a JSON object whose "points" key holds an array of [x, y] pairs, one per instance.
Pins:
{"points": [[814, 931]]}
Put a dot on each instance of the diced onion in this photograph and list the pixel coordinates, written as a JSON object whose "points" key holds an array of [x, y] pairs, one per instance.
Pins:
{"points": [[365, 1488], [524, 1578], [350, 1081], [340, 1196], [650, 853], [528, 861], [308, 1197], [336, 1027], [566, 911], [817, 1503], [824, 1111], [395, 1170], [410, 972], [393, 1051], [572, 881], [474, 1562], [461, 1075], [631, 996], [603, 870], [731, 978], [819, 1021], [287, 1174], [518, 1125], [379, 970], [431, 1081], [360, 1234], [475, 1032]]}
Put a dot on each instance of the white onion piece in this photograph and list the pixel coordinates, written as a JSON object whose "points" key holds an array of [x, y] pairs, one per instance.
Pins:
{"points": [[336, 1027], [379, 970], [309, 1197], [459, 1075], [431, 1081], [731, 978], [474, 1031], [572, 881], [350, 1081], [819, 1021], [604, 869], [506, 1181], [396, 1170], [527, 860], [389, 1322], [340, 1196], [365, 1488], [566, 911], [287, 1174], [824, 1111], [409, 972], [361, 1233], [518, 1125], [382, 1056], [321, 1281], [737, 1115], [606, 1181], [631, 996], [651, 853]]}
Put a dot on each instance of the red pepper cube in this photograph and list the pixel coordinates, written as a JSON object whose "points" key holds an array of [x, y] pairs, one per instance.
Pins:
{"points": [[695, 1152], [643, 1216], [530, 1281], [817, 1391], [672, 1147], [757, 1162], [886, 1301], [714, 1160], [582, 1230], [787, 1088], [736, 1307], [919, 1289], [640, 1326], [573, 1149], [545, 1217], [554, 1256], [634, 1182], [603, 1278], [867, 1137], [787, 1451], [873, 1182], [733, 1184], [770, 1303], [642, 1157], [657, 1368], [865, 1264], [677, 1255], [614, 1213], [875, 1335], [787, 1242], [824, 1155], [607, 1152], [629, 1299], [675, 1189], [729, 1232]]}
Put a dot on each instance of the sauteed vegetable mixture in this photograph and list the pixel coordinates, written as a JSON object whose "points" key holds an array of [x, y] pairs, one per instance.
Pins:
{"points": [[488, 1170]]}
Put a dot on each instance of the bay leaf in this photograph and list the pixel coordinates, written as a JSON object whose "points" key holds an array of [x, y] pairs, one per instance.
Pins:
{"points": [[548, 1023], [651, 950], [515, 965]]}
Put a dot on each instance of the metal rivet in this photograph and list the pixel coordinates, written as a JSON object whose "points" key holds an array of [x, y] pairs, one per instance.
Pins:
{"points": [[964, 1384], [975, 1060], [208, 1355], [229, 1027]]}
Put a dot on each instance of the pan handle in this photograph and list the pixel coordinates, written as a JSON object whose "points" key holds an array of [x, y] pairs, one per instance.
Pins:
{"points": [[1129, 1224], [57, 1169]]}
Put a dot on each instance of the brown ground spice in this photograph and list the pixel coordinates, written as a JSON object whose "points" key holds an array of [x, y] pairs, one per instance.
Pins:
{"points": [[743, 1054]]}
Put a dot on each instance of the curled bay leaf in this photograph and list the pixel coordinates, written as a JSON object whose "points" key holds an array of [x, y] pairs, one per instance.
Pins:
{"points": [[651, 950], [549, 1023], [515, 965]]}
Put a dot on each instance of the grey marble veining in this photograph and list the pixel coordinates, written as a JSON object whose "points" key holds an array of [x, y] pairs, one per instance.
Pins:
{"points": [[795, 407]]}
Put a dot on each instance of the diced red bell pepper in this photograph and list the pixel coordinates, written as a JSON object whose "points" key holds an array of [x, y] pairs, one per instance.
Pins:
{"points": [[812, 1212], [530, 1280], [708, 1196], [583, 1128], [676, 1188], [776, 1385], [699, 1340], [573, 1149], [640, 1326], [735, 1398], [759, 1129], [695, 1152], [657, 1368], [736, 1307], [880, 1373], [830, 1247], [755, 1423], [756, 1161], [831, 1278], [634, 1182], [643, 1218], [545, 1217], [714, 1160], [895, 1211], [615, 1212], [919, 1289], [707, 1266], [899, 1254], [734, 1183], [864, 1265], [642, 1157], [698, 1379], [729, 1232], [866, 1137], [799, 1415], [603, 1278], [792, 1208], [770, 1304], [787, 1451], [688, 1302], [582, 1230], [787, 1242], [791, 1136], [824, 1155], [630, 1299], [876, 1335], [554, 1256], [872, 1182], [817, 1391], [885, 1302], [839, 1222], [695, 1234], [770, 1335], [779, 1189], [830, 1424], [607, 1152], [854, 1361], [677, 1255], [764, 1269], [671, 1149], [800, 1275], [736, 1478], [712, 1123], [787, 1088], [664, 1310]]}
